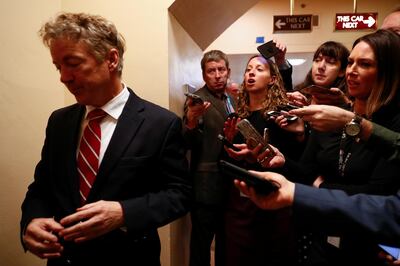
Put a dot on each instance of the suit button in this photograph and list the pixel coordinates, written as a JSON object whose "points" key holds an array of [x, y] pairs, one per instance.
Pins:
{"points": [[68, 261]]}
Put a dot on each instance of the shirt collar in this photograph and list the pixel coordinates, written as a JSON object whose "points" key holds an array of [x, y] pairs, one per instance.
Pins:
{"points": [[115, 106], [223, 95]]}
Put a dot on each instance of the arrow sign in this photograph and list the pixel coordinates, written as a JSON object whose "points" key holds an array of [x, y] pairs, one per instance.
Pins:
{"points": [[292, 23], [279, 24], [370, 21], [356, 21]]}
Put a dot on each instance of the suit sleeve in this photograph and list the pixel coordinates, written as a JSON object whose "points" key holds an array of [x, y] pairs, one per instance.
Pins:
{"points": [[172, 199], [37, 202], [386, 142], [334, 211], [286, 73]]}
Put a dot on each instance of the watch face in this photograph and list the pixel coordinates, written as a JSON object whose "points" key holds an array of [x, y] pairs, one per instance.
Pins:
{"points": [[352, 129]]}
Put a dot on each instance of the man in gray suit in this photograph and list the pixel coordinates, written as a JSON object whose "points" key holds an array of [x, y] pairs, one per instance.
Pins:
{"points": [[203, 122]]}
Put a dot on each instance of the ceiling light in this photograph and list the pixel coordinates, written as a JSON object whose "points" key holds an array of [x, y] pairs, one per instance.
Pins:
{"points": [[296, 61]]}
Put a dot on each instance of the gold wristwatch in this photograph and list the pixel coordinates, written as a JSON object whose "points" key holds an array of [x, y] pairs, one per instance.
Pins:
{"points": [[353, 128]]}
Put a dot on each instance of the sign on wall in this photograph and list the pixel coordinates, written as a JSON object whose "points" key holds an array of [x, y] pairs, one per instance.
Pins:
{"points": [[292, 23], [356, 21]]}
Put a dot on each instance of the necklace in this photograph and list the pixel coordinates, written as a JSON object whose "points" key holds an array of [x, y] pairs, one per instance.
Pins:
{"points": [[343, 156]]}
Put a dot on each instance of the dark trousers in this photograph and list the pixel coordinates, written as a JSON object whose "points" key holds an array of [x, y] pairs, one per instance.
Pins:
{"points": [[206, 222]]}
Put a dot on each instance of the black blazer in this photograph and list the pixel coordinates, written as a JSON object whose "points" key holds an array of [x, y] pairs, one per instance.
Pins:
{"points": [[335, 211], [144, 168]]}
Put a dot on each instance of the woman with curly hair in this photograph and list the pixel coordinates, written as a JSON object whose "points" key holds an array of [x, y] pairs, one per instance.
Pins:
{"points": [[253, 236]]}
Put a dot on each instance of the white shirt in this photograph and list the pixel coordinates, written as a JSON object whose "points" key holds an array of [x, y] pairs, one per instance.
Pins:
{"points": [[113, 109]]}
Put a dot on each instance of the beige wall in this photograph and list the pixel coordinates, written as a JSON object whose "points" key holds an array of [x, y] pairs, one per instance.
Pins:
{"points": [[184, 64], [184, 68], [29, 90]]}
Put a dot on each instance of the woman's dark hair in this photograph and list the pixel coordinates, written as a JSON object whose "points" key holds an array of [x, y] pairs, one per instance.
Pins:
{"points": [[333, 50], [386, 47]]}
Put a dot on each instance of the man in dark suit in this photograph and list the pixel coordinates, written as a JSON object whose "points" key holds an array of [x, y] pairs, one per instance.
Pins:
{"points": [[142, 178]]}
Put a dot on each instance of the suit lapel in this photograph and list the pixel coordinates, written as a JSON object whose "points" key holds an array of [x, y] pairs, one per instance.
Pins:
{"points": [[73, 121], [128, 124], [218, 104]]}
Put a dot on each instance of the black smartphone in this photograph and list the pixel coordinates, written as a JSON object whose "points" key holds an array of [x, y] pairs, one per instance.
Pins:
{"points": [[227, 142], [314, 89], [260, 185], [196, 99], [268, 49], [289, 118], [287, 107], [392, 251]]}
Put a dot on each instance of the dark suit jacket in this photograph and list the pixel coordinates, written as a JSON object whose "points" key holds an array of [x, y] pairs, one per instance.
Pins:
{"points": [[144, 168], [335, 211], [205, 149]]}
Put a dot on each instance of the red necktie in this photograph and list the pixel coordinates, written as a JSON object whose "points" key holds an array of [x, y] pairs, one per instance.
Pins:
{"points": [[89, 150]]}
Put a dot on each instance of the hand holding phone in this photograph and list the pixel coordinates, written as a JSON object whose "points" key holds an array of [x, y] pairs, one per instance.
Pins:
{"points": [[260, 185], [315, 89], [253, 138], [227, 143], [196, 99], [289, 118], [268, 49], [287, 107]]}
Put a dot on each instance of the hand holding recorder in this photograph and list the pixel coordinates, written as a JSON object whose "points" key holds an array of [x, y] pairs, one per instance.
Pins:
{"points": [[280, 198], [262, 186], [194, 98], [196, 107]]}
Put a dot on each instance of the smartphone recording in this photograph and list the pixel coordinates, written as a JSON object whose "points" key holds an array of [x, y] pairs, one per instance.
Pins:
{"points": [[227, 143], [287, 107], [289, 118], [196, 99], [268, 49], [315, 89], [260, 185]]}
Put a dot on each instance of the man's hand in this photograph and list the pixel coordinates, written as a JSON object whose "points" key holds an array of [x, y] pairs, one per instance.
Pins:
{"points": [[297, 126], [41, 239], [194, 112], [281, 198], [92, 220]]}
